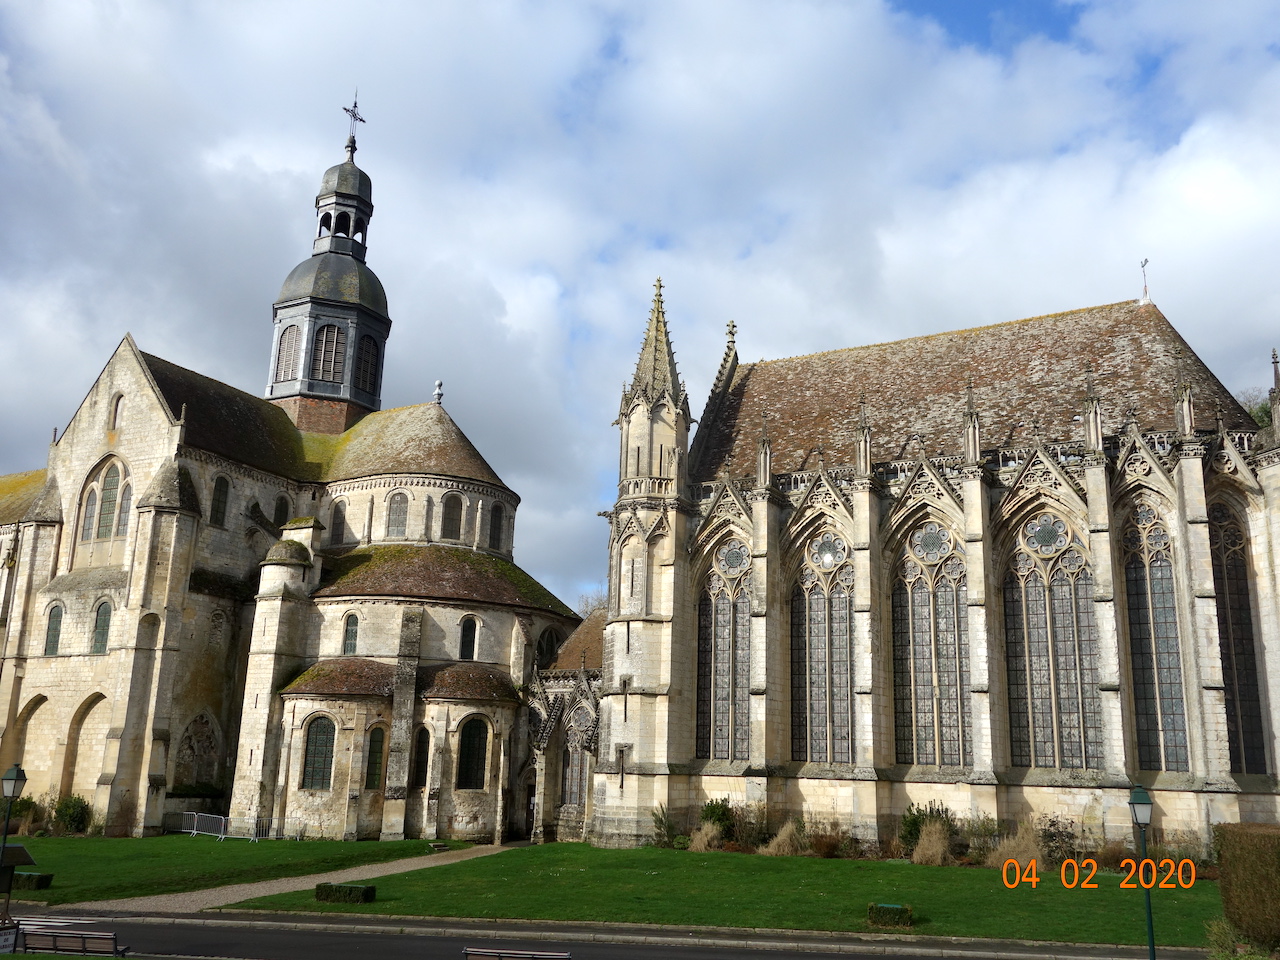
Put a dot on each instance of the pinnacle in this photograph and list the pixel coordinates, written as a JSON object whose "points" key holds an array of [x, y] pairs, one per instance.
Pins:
{"points": [[656, 368]]}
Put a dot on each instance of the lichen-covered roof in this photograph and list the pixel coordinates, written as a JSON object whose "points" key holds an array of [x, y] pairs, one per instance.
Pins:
{"points": [[344, 677], [465, 680], [335, 276], [1022, 372], [89, 581], [18, 491], [435, 572], [230, 422], [418, 439], [587, 641]]}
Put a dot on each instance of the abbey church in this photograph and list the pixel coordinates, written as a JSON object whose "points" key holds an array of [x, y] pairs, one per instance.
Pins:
{"points": [[1016, 569]]}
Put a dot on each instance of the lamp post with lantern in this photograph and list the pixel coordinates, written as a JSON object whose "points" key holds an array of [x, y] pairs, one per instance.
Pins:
{"points": [[1140, 806]]}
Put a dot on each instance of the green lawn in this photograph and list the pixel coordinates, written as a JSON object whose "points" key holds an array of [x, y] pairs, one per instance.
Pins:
{"points": [[571, 881], [106, 869]]}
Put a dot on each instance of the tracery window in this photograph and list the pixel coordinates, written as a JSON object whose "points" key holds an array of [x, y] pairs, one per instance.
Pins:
{"points": [[724, 657], [1158, 703], [373, 763], [421, 757], [467, 646], [107, 509], [367, 365], [473, 750], [53, 631], [126, 504], [451, 518], [350, 634], [90, 511], [287, 357], [329, 353], [1228, 545], [822, 654], [496, 516], [317, 760], [101, 628], [218, 509], [931, 705], [576, 757], [397, 515], [1051, 650]]}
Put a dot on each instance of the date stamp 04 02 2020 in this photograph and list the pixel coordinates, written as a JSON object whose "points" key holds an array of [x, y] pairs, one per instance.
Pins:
{"points": [[1080, 875]]}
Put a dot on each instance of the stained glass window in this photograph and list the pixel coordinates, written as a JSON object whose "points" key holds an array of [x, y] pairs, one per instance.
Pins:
{"points": [[822, 655], [473, 750], [107, 514], [53, 632], [1228, 545], [317, 761], [451, 518], [350, 634], [574, 761], [101, 628], [1158, 703], [724, 661], [90, 511], [122, 516], [373, 763], [397, 515], [1051, 651], [496, 515], [932, 708]]}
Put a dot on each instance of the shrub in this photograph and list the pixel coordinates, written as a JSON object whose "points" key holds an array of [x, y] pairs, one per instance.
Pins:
{"points": [[718, 811], [665, 830], [889, 914], [1249, 861], [933, 849], [681, 842], [1058, 839], [749, 824], [916, 817], [1224, 940], [981, 834], [1024, 846], [73, 813], [345, 893], [706, 838], [788, 843], [1111, 853], [22, 807], [32, 881]]}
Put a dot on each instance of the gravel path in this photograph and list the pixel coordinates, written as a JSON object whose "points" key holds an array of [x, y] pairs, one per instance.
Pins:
{"points": [[193, 901]]}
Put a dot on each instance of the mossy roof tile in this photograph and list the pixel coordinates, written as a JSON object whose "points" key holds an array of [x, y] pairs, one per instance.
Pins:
{"points": [[18, 491], [465, 680], [344, 677], [585, 646]]}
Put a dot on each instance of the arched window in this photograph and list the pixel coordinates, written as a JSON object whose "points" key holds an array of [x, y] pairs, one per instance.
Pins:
{"points": [[218, 509], [473, 750], [107, 510], [1158, 703], [367, 365], [931, 705], [822, 655], [495, 526], [1228, 546], [317, 761], [342, 226], [451, 518], [53, 632], [421, 757], [548, 643], [326, 224], [338, 524], [329, 353], [350, 632], [90, 511], [117, 413], [574, 761], [1051, 650], [126, 504], [467, 648], [360, 229], [373, 763], [101, 628], [724, 657], [282, 512], [397, 515], [287, 358]]}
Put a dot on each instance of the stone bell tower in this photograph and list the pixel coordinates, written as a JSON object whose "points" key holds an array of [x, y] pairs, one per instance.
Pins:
{"points": [[330, 320], [642, 725]]}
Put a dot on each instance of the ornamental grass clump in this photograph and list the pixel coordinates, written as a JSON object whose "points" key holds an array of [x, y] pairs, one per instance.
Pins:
{"points": [[915, 817], [933, 849], [706, 838], [789, 842], [1024, 846]]}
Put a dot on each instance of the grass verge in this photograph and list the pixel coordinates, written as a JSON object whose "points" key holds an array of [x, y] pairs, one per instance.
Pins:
{"points": [[570, 881], [98, 868]]}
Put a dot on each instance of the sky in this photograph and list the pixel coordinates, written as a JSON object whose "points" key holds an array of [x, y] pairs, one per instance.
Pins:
{"points": [[822, 173]]}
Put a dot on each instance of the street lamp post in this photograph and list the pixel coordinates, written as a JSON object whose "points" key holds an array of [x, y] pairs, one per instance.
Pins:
{"points": [[11, 784], [1140, 808]]}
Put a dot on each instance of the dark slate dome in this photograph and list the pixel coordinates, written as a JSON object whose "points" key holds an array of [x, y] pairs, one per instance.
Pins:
{"points": [[347, 178], [334, 276]]}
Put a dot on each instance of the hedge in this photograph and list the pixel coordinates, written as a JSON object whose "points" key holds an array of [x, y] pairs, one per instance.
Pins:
{"points": [[32, 881], [345, 893], [1249, 866], [889, 914]]}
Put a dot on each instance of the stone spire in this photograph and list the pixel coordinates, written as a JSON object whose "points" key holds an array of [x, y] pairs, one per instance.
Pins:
{"points": [[656, 372]]}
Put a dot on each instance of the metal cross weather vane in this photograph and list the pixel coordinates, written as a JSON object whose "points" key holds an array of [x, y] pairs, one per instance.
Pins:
{"points": [[1143, 265], [353, 112]]}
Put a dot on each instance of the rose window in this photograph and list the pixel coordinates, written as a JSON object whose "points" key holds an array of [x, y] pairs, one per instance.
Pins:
{"points": [[931, 543], [1046, 535], [733, 558], [827, 551]]}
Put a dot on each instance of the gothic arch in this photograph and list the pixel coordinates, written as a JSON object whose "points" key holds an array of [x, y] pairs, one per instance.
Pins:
{"points": [[722, 693], [79, 772], [197, 759]]}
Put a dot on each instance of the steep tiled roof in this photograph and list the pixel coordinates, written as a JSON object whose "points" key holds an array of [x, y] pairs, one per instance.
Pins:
{"points": [[465, 680], [345, 677], [436, 573], [18, 491], [1022, 372], [587, 639]]}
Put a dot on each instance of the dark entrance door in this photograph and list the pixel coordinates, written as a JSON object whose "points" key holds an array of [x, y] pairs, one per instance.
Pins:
{"points": [[531, 796]]}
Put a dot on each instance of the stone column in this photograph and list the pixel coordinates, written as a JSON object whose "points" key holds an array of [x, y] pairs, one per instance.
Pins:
{"points": [[403, 700]]}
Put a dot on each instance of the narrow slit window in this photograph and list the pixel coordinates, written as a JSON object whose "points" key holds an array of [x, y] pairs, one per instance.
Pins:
{"points": [[467, 649], [397, 515], [218, 509], [350, 634], [53, 632], [101, 628], [421, 757], [496, 516]]}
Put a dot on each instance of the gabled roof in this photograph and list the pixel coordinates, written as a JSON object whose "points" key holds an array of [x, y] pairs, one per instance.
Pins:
{"points": [[585, 647], [1023, 372], [435, 572], [18, 491]]}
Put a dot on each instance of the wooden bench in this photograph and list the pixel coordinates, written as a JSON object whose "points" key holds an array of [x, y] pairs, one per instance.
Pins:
{"points": [[83, 944], [514, 954]]}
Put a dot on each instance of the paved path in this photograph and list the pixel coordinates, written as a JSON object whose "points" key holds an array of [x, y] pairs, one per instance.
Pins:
{"points": [[193, 901]]}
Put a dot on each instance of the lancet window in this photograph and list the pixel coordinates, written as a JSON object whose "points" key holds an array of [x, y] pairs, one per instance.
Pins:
{"points": [[397, 515], [932, 711], [317, 758], [1228, 545], [822, 654], [1051, 650], [1158, 702], [724, 657], [107, 503], [576, 757]]}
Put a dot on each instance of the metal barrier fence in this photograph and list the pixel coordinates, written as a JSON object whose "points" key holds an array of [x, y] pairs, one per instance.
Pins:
{"points": [[243, 828]]}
